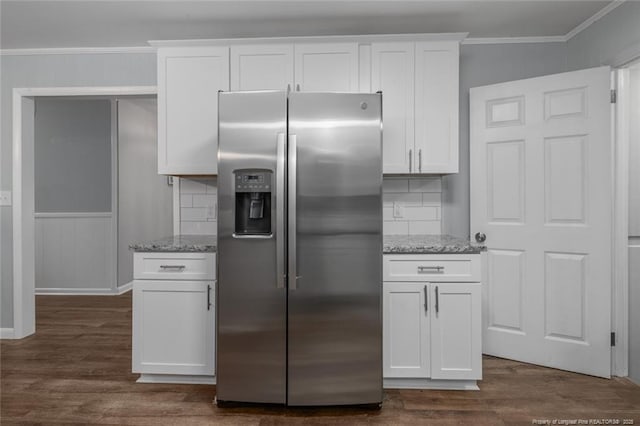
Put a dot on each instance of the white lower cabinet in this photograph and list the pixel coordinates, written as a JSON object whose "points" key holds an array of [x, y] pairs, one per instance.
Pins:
{"points": [[174, 327], [431, 330]]}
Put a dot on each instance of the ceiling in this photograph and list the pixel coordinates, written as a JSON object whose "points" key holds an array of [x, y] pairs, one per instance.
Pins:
{"points": [[94, 23]]}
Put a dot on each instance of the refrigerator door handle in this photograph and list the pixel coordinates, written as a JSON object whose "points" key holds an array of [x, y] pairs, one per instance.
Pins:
{"points": [[281, 232], [292, 193]]}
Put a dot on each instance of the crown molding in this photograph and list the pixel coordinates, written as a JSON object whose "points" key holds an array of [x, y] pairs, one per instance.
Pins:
{"points": [[364, 38], [77, 50], [514, 40], [588, 22]]}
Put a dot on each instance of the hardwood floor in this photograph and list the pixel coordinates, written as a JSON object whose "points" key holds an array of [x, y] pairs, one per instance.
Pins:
{"points": [[76, 370]]}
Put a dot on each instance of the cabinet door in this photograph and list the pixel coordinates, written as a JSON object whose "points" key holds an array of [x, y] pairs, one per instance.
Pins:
{"points": [[405, 330], [436, 111], [188, 83], [173, 327], [262, 67], [327, 67], [392, 72], [456, 350]]}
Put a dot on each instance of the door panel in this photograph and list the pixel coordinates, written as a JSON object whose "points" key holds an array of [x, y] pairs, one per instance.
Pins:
{"points": [[541, 192], [392, 72], [251, 308], [406, 330], [335, 274], [262, 67], [327, 67]]}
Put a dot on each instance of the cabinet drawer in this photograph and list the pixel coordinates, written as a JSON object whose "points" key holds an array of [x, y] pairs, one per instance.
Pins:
{"points": [[174, 266], [432, 267]]}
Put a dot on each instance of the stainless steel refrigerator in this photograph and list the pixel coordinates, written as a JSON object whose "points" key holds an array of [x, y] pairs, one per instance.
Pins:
{"points": [[299, 312]]}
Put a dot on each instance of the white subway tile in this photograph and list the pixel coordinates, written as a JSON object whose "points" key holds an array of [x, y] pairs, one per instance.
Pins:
{"points": [[395, 185], [421, 213], [406, 198], [192, 186], [186, 200], [431, 199], [198, 228], [194, 214], [200, 200], [387, 213], [395, 228], [212, 185], [425, 227], [425, 185]]}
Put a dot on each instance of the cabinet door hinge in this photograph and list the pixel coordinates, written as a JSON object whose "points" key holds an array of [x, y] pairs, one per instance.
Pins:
{"points": [[614, 96], [613, 338]]}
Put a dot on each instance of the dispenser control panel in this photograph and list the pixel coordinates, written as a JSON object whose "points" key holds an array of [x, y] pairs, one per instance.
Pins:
{"points": [[253, 181]]}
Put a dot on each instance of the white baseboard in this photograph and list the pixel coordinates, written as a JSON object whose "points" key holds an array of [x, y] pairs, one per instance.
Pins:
{"points": [[78, 291], [7, 333], [177, 379], [430, 384], [125, 288]]}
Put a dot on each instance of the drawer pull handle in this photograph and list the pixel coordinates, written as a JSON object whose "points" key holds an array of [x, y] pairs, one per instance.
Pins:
{"points": [[438, 269], [172, 267]]}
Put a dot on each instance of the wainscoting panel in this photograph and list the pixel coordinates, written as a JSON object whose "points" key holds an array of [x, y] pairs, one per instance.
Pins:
{"points": [[74, 253]]}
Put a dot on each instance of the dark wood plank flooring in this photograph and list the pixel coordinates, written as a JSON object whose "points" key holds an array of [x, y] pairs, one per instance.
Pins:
{"points": [[77, 370]]}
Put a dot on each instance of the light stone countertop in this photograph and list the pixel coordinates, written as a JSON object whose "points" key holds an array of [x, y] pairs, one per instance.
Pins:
{"points": [[179, 243], [429, 244]]}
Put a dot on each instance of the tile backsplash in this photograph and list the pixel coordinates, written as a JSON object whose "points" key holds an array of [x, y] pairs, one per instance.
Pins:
{"points": [[410, 206], [198, 206]]}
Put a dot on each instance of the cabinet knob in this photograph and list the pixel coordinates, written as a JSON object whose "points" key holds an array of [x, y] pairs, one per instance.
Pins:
{"points": [[480, 237]]}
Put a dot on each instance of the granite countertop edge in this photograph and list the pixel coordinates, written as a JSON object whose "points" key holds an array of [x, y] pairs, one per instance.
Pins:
{"points": [[179, 244], [393, 244], [430, 244]]}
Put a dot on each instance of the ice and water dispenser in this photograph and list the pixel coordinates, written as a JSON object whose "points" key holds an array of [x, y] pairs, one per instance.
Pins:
{"points": [[253, 202]]}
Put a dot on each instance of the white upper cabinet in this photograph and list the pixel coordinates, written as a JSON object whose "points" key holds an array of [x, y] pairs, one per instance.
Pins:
{"points": [[327, 67], [392, 72], [419, 83], [436, 111], [189, 79], [262, 67]]}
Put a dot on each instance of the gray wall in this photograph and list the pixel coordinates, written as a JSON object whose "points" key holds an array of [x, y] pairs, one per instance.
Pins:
{"points": [[144, 199], [53, 71], [72, 155], [481, 65], [612, 39]]}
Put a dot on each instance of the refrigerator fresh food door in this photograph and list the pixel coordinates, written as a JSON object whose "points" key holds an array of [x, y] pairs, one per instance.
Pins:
{"points": [[251, 302], [335, 249]]}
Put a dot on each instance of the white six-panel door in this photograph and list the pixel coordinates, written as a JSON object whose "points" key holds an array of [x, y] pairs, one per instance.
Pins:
{"points": [[541, 191]]}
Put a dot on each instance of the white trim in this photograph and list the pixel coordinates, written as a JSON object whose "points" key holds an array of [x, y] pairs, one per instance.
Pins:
{"points": [[176, 206], [114, 192], [312, 39], [7, 333], [78, 291], [404, 383], [510, 40], [124, 288], [76, 50], [620, 261], [51, 215], [177, 379], [23, 254], [589, 21]]}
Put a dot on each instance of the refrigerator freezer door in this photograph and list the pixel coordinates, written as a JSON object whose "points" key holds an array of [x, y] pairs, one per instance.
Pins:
{"points": [[335, 271], [251, 303]]}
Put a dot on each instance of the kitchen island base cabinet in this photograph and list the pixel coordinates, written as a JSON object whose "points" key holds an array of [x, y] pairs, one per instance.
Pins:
{"points": [[431, 330]]}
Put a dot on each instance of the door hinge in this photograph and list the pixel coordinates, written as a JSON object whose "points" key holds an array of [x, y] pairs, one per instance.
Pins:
{"points": [[613, 338], [614, 96]]}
